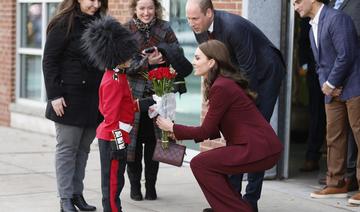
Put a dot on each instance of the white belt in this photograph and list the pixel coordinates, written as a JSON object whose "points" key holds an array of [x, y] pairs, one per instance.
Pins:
{"points": [[126, 127]]}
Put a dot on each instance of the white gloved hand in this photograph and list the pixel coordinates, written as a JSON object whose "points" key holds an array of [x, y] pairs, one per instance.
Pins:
{"points": [[165, 106]]}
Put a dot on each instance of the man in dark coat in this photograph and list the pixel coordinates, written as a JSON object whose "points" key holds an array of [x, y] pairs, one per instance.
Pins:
{"points": [[251, 51]]}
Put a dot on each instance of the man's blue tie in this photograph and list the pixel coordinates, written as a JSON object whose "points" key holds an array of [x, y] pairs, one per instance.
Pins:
{"points": [[338, 4]]}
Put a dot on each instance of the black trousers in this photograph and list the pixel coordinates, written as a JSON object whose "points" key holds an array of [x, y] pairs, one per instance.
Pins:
{"points": [[146, 137], [317, 123], [112, 178]]}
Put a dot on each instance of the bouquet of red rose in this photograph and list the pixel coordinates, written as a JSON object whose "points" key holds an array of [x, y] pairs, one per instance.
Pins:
{"points": [[162, 79]]}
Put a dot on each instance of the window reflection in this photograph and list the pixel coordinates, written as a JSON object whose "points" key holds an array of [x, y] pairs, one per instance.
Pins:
{"points": [[31, 29], [31, 25], [51, 10], [30, 78]]}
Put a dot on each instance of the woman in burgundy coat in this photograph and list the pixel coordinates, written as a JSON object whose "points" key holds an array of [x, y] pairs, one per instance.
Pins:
{"points": [[251, 143]]}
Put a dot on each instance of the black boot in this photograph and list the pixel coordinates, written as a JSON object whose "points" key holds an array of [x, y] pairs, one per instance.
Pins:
{"points": [[134, 172], [80, 202], [151, 170], [150, 190], [135, 191], [66, 205]]}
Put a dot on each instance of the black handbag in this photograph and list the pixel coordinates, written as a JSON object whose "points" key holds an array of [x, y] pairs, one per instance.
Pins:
{"points": [[173, 155]]}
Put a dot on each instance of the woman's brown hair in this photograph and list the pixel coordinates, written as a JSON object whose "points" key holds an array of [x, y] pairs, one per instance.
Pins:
{"points": [[214, 49], [158, 8], [67, 10]]}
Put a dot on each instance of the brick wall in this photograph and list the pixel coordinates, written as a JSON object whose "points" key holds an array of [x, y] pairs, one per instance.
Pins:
{"points": [[233, 6], [7, 58], [120, 9]]}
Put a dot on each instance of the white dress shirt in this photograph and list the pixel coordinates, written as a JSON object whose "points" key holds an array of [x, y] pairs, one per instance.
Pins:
{"points": [[211, 27], [315, 23]]}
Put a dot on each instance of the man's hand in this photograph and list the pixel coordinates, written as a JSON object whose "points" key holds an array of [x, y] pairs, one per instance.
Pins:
{"points": [[337, 92], [58, 106], [326, 89]]}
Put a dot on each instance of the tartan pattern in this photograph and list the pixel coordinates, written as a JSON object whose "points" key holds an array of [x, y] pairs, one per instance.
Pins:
{"points": [[160, 32]]}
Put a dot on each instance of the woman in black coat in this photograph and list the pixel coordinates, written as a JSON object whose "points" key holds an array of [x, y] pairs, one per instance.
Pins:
{"points": [[72, 92]]}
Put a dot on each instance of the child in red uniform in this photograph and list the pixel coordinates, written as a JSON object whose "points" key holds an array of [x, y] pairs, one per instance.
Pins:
{"points": [[110, 47]]}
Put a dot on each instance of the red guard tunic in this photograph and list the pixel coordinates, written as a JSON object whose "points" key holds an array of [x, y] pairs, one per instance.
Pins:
{"points": [[115, 104]]}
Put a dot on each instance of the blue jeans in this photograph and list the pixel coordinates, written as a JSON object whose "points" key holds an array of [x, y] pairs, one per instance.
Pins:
{"points": [[253, 188]]}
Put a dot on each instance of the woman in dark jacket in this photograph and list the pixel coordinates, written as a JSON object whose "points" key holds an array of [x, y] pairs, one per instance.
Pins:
{"points": [[150, 31], [72, 92]]}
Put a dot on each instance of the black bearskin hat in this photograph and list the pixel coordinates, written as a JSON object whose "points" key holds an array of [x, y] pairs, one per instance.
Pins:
{"points": [[107, 43]]}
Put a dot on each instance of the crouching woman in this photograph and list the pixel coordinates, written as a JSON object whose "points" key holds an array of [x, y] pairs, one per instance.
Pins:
{"points": [[251, 143]]}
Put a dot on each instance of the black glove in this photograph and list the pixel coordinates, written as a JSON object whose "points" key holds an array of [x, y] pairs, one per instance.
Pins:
{"points": [[179, 85], [145, 103], [116, 154]]}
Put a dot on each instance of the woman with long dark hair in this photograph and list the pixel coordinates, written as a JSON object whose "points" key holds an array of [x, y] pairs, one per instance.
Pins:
{"points": [[72, 92], [251, 143], [162, 49]]}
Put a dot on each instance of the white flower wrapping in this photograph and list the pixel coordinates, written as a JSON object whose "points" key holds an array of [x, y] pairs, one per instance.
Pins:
{"points": [[165, 106]]}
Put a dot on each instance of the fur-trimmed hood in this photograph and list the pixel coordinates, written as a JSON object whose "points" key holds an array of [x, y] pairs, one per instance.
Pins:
{"points": [[107, 43]]}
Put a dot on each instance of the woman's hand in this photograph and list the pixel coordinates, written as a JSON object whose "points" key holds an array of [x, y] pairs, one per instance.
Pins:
{"points": [[58, 106], [165, 124], [155, 57], [172, 136]]}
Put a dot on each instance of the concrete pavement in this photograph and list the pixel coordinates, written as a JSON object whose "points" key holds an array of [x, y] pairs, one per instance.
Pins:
{"points": [[27, 183]]}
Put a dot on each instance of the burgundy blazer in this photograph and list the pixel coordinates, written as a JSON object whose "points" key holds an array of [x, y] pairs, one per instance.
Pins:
{"points": [[235, 115]]}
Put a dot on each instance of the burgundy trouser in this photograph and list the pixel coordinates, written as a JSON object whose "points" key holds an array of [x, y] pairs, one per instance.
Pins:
{"points": [[211, 170]]}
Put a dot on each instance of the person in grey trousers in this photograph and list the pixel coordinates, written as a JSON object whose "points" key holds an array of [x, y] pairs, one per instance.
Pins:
{"points": [[72, 92]]}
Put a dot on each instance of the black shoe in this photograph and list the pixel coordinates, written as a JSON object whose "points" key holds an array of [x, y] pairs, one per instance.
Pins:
{"points": [[79, 201], [66, 205], [208, 210], [135, 194]]}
